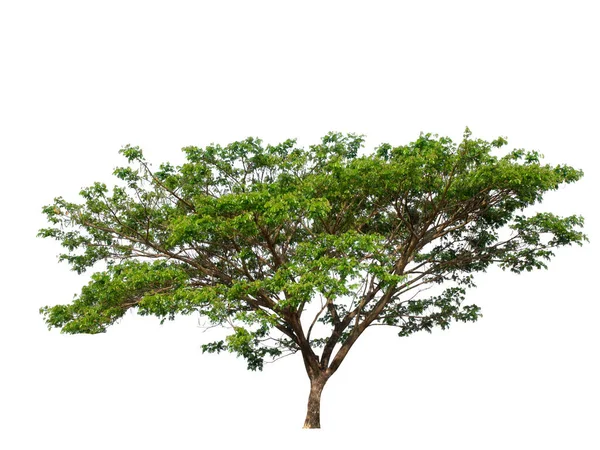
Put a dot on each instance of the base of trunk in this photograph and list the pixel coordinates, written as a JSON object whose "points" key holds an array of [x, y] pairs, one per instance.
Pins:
{"points": [[313, 412], [312, 423]]}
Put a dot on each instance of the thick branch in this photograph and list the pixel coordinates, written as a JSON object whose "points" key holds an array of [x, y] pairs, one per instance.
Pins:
{"points": [[357, 331]]}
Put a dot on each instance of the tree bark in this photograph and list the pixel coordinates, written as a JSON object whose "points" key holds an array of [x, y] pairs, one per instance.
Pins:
{"points": [[313, 413]]}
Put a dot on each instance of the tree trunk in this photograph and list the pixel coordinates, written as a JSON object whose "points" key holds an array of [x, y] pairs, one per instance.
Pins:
{"points": [[313, 413]]}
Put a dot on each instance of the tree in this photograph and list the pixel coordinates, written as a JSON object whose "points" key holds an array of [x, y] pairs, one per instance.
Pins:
{"points": [[302, 250]]}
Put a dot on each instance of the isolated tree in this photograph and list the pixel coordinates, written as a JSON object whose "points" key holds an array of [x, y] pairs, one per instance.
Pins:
{"points": [[302, 250]]}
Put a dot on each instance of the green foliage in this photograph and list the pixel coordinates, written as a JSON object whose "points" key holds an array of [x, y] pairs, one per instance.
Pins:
{"points": [[252, 236]]}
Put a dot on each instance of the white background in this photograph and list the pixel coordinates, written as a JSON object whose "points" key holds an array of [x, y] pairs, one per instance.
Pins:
{"points": [[80, 79]]}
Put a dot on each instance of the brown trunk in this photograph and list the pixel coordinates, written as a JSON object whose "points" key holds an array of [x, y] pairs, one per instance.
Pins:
{"points": [[313, 413]]}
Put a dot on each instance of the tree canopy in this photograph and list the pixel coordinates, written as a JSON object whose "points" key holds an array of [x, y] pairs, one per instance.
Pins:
{"points": [[251, 235]]}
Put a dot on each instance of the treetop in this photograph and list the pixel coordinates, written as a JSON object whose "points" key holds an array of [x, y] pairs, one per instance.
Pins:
{"points": [[251, 235]]}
